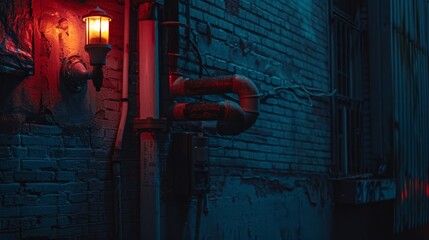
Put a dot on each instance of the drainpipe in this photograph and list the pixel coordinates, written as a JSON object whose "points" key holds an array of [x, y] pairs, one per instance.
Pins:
{"points": [[148, 122], [121, 127], [232, 118]]}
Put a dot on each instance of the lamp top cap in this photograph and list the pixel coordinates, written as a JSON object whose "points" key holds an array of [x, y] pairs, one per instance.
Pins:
{"points": [[97, 12]]}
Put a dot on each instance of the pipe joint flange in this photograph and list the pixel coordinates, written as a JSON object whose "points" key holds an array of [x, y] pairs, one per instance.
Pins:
{"points": [[74, 73], [150, 125], [148, 10]]}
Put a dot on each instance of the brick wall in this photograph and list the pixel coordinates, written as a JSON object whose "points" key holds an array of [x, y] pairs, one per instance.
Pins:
{"points": [[267, 183], [270, 181], [53, 184], [274, 44]]}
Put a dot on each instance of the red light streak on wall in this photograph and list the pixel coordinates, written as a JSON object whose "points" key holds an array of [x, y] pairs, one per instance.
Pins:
{"points": [[414, 187]]}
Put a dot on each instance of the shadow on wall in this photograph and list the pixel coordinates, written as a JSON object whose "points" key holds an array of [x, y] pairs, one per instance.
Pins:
{"points": [[18, 104], [14, 102], [10, 119], [8, 84], [75, 108]]}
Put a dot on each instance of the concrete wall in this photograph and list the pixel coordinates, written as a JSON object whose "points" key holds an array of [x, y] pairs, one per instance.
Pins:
{"points": [[268, 183]]}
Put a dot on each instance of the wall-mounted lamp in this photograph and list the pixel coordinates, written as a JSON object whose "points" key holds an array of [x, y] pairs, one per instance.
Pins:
{"points": [[97, 45]]}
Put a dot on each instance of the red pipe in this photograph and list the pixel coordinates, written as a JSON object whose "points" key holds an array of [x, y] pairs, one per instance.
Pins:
{"points": [[233, 119]]}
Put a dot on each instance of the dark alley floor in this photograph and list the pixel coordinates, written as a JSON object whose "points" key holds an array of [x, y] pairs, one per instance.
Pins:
{"points": [[418, 234]]}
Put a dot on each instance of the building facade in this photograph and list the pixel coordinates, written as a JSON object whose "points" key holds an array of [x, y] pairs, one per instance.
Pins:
{"points": [[337, 151]]}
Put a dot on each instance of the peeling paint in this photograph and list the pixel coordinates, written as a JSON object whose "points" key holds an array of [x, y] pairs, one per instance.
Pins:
{"points": [[265, 186], [16, 36]]}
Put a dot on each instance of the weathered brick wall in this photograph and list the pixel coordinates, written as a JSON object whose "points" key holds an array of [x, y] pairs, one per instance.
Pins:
{"points": [[269, 182], [53, 184], [275, 44], [55, 166]]}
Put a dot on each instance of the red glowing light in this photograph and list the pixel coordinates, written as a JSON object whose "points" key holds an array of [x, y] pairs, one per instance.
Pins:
{"points": [[414, 188], [427, 190]]}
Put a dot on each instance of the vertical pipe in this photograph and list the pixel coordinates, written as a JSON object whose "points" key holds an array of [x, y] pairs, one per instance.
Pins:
{"points": [[149, 109], [121, 127]]}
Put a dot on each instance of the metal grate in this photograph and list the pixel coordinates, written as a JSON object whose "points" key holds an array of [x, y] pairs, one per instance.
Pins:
{"points": [[349, 136], [347, 52]]}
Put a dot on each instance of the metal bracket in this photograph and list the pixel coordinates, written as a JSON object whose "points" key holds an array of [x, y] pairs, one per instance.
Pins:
{"points": [[150, 125]]}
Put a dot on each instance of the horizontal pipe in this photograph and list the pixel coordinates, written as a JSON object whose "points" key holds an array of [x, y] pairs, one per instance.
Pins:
{"points": [[229, 114], [231, 121], [199, 111]]}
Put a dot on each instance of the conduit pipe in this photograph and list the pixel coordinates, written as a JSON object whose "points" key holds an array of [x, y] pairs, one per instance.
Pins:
{"points": [[121, 126], [232, 119], [149, 113]]}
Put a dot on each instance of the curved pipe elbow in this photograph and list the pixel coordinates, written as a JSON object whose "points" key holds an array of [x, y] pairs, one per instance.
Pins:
{"points": [[247, 92], [232, 121], [177, 87], [236, 119]]}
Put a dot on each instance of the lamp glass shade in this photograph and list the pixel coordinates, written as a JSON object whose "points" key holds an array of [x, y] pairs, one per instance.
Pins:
{"points": [[97, 27]]}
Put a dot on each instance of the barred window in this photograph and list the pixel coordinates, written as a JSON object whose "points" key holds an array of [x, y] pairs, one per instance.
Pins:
{"points": [[347, 68]]}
